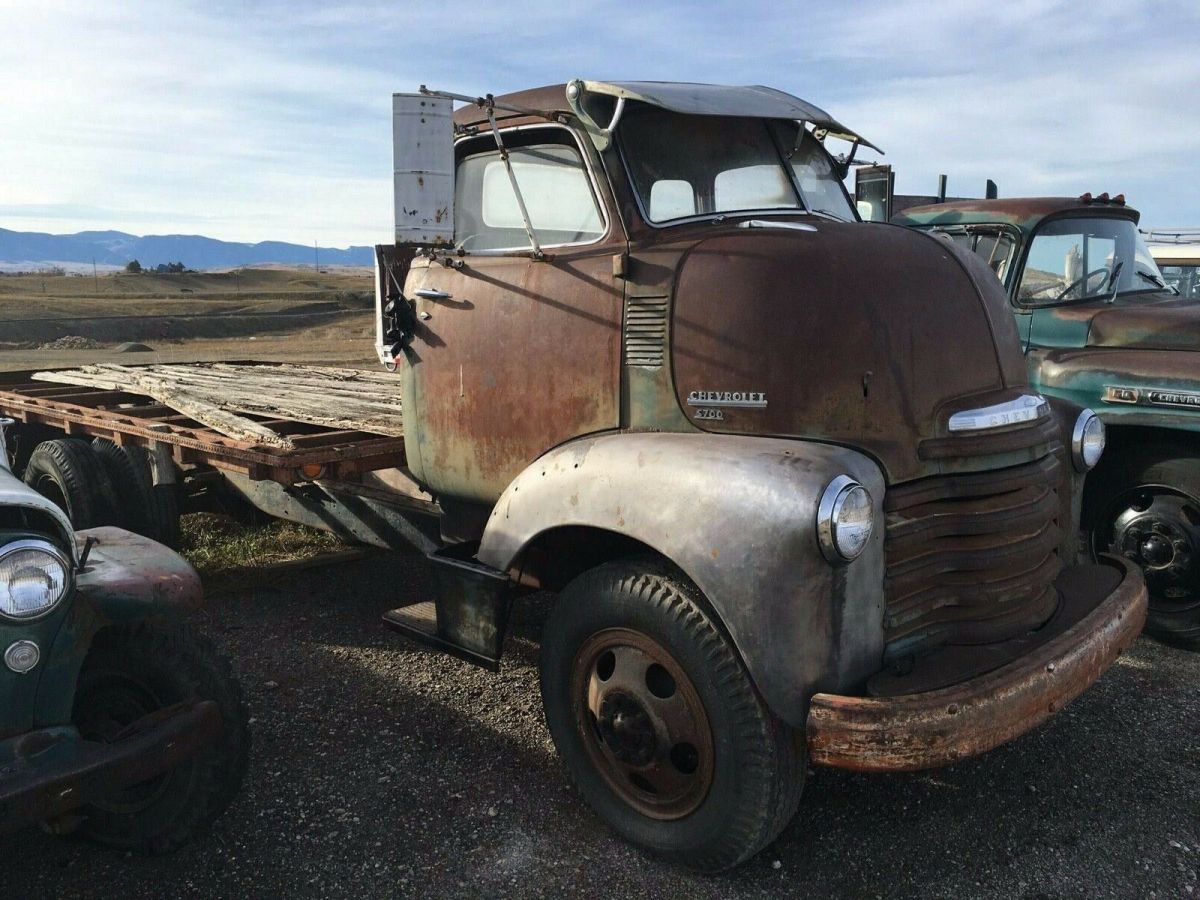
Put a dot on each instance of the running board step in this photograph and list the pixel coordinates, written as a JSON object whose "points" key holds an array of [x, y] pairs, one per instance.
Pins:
{"points": [[470, 615]]}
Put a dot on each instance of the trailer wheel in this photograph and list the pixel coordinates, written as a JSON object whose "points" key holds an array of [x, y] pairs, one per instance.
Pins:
{"points": [[131, 672], [149, 509], [69, 473], [1145, 506], [658, 723]]}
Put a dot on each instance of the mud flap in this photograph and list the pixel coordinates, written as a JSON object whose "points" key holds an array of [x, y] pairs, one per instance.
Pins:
{"points": [[469, 618]]}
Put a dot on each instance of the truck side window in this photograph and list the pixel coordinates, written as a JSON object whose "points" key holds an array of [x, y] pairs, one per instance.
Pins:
{"points": [[556, 189]]}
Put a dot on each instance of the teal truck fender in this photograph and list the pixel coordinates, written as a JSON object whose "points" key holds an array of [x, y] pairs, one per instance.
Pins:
{"points": [[1153, 388], [125, 578], [737, 515]]}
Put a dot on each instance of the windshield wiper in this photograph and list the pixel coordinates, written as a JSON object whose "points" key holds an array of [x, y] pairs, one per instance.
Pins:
{"points": [[1112, 279], [1153, 279]]}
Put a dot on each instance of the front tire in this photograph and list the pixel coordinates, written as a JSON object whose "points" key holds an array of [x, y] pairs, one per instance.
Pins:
{"points": [[130, 672], [1145, 506], [658, 722]]}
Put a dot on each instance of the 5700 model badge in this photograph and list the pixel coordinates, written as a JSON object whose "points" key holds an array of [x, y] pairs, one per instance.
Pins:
{"points": [[709, 402]]}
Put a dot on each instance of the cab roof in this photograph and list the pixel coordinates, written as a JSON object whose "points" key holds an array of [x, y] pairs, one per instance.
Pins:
{"points": [[751, 101], [1020, 212]]}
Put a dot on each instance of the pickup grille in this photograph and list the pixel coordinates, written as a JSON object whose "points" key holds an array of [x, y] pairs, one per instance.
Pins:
{"points": [[972, 557]]}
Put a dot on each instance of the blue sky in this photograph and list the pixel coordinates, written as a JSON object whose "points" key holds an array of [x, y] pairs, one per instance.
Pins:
{"points": [[271, 120]]}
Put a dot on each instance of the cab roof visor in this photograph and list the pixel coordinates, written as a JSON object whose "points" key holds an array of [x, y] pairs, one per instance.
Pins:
{"points": [[751, 101]]}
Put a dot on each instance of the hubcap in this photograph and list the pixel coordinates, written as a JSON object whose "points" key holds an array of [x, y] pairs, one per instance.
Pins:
{"points": [[1158, 528], [642, 723]]}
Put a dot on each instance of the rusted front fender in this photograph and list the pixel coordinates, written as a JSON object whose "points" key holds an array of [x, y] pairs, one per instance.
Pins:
{"points": [[938, 727], [130, 576], [127, 578]]}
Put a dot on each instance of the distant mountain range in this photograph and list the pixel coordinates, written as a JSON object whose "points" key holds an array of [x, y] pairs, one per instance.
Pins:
{"points": [[115, 248]]}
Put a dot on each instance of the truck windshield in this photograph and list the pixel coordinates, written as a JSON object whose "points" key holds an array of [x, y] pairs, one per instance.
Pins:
{"points": [[684, 166], [1082, 258]]}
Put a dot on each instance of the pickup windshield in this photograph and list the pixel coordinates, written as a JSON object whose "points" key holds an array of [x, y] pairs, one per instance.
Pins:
{"points": [[1084, 258], [685, 166]]}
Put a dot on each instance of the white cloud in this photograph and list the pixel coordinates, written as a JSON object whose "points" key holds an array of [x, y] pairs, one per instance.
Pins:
{"points": [[270, 121]]}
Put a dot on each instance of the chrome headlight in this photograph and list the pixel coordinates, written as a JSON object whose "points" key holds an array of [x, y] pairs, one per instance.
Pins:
{"points": [[844, 520], [34, 577], [1087, 441]]}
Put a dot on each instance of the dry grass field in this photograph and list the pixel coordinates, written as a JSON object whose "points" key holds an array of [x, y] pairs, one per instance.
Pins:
{"points": [[270, 314]]}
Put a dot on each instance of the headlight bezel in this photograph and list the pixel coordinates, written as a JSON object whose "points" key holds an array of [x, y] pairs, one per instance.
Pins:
{"points": [[47, 547], [833, 500], [1079, 434]]}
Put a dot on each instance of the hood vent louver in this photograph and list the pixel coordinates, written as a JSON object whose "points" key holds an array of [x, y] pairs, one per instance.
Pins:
{"points": [[645, 331]]}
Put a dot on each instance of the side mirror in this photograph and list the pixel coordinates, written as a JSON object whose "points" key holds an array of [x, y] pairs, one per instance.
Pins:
{"points": [[874, 188], [423, 169]]}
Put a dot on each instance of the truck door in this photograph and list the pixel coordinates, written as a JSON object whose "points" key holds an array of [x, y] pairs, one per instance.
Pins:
{"points": [[514, 355]]}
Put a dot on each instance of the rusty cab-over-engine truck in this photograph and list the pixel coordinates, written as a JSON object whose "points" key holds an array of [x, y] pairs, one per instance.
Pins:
{"points": [[1103, 327], [650, 359]]}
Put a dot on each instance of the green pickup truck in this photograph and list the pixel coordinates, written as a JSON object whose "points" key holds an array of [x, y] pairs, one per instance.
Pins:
{"points": [[1103, 328]]}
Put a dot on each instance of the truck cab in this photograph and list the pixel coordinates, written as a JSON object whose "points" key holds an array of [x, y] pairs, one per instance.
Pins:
{"points": [[1103, 325], [651, 360]]}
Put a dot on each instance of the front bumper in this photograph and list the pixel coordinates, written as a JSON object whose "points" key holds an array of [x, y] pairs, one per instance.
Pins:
{"points": [[44, 774], [933, 728]]}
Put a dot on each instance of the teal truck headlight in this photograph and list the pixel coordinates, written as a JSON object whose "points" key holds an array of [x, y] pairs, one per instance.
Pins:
{"points": [[844, 520], [1087, 441], [34, 577]]}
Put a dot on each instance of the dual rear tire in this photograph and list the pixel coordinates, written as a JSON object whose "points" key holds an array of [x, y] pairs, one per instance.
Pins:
{"points": [[100, 483]]}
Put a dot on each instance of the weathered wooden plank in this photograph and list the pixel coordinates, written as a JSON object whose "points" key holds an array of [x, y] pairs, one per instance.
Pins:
{"points": [[348, 400]]}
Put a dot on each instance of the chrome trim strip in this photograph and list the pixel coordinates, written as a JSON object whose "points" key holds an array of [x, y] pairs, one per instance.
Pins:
{"points": [[1025, 408], [767, 223]]}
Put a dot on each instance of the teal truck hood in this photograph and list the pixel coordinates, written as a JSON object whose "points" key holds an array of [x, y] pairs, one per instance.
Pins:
{"points": [[1167, 325]]}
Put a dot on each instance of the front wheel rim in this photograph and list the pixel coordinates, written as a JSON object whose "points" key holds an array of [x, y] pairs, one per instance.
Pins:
{"points": [[642, 723], [1158, 528]]}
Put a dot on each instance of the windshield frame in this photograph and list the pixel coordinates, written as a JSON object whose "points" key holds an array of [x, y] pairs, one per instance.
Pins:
{"points": [[1016, 261], [1018, 271], [804, 209]]}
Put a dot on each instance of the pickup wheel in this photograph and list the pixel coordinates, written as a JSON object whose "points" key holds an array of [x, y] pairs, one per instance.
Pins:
{"points": [[131, 672], [68, 473], [657, 720], [1146, 507]]}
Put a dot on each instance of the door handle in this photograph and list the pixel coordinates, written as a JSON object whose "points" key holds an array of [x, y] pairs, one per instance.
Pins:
{"points": [[432, 294]]}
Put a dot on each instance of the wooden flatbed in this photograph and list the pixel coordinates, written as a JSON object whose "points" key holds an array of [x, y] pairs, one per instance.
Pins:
{"points": [[131, 417]]}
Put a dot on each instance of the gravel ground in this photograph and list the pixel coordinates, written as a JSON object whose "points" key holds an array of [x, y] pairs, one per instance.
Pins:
{"points": [[383, 769]]}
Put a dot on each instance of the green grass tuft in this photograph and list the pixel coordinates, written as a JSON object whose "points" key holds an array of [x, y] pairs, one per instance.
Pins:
{"points": [[218, 545]]}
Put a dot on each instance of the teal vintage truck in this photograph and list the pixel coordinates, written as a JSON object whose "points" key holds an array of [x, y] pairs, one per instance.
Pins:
{"points": [[1102, 328], [117, 721]]}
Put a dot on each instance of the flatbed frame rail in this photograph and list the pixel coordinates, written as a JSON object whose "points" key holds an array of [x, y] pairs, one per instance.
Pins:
{"points": [[130, 418]]}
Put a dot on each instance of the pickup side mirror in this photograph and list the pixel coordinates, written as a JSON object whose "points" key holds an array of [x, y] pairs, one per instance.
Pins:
{"points": [[423, 169]]}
